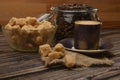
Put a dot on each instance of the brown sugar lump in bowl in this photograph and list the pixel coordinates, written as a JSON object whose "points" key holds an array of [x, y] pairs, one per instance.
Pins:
{"points": [[26, 34]]}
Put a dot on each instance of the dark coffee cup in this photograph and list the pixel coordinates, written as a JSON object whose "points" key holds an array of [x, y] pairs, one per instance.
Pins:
{"points": [[87, 35]]}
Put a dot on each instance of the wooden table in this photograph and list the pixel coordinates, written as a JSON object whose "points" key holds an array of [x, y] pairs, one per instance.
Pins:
{"points": [[28, 66]]}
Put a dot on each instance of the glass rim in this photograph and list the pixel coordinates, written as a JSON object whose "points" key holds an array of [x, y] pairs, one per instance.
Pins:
{"points": [[3, 28]]}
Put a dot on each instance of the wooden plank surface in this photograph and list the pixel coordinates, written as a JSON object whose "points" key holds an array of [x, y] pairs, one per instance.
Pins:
{"points": [[12, 63], [109, 10]]}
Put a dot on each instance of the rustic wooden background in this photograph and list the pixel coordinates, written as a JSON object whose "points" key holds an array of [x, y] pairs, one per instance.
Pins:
{"points": [[109, 10]]}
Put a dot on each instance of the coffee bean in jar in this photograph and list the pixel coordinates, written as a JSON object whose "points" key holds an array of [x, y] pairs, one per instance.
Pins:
{"points": [[67, 14]]}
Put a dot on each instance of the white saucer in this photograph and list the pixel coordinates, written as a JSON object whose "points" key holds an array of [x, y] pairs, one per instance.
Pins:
{"points": [[68, 43]]}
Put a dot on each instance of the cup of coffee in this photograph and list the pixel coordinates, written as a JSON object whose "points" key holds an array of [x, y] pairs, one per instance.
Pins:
{"points": [[87, 34]]}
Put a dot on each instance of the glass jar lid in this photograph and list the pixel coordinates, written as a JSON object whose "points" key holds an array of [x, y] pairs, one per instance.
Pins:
{"points": [[74, 8]]}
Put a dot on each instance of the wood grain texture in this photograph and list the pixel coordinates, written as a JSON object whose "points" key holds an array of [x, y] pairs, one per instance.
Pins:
{"points": [[16, 63], [109, 10]]}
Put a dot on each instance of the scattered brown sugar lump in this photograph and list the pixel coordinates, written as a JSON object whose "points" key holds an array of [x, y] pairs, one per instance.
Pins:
{"points": [[59, 47], [70, 60], [55, 55], [48, 55], [44, 50]]}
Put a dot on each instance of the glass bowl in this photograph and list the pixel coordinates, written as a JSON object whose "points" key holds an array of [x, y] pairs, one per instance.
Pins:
{"points": [[28, 41]]}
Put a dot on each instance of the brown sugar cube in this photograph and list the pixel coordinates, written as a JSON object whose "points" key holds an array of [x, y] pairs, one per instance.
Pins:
{"points": [[15, 39], [31, 20], [41, 30], [55, 55], [12, 21], [46, 60], [15, 30], [28, 28], [44, 50], [40, 27], [16, 27], [8, 26], [36, 24], [57, 61], [59, 47], [70, 60], [21, 21], [61, 54], [47, 25], [39, 40]]}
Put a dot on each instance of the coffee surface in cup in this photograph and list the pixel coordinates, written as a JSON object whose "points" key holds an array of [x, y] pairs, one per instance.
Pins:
{"points": [[87, 22]]}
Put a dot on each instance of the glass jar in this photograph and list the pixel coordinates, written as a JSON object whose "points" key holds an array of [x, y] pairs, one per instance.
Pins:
{"points": [[66, 15]]}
